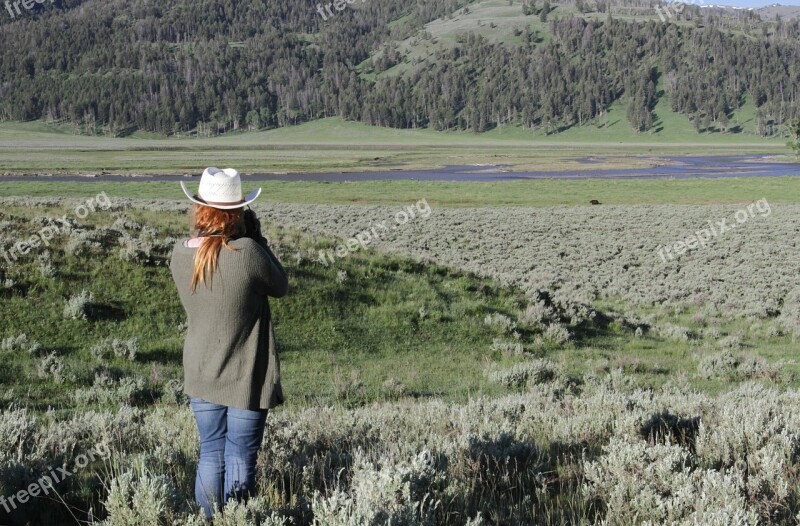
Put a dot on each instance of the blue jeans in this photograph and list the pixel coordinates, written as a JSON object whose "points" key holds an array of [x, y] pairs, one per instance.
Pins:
{"points": [[229, 442]]}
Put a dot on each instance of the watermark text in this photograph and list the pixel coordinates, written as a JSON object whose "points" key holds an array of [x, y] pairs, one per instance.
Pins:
{"points": [[13, 6], [46, 483], [379, 230], [325, 11], [46, 234], [714, 229]]}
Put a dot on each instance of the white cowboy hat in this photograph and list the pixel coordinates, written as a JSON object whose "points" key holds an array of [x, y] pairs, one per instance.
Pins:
{"points": [[221, 189]]}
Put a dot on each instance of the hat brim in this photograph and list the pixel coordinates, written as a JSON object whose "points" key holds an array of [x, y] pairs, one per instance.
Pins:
{"points": [[252, 196]]}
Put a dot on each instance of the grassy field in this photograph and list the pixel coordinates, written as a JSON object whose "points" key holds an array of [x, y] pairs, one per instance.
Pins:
{"points": [[420, 381], [360, 322], [534, 193], [490, 364], [333, 145], [366, 320]]}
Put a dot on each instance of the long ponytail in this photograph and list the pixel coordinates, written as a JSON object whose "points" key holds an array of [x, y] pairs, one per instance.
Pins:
{"points": [[217, 227]]}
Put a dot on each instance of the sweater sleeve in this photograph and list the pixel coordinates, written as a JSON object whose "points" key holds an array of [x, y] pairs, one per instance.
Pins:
{"points": [[270, 275]]}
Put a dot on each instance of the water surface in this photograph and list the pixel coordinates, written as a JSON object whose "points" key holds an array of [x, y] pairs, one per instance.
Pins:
{"points": [[677, 167]]}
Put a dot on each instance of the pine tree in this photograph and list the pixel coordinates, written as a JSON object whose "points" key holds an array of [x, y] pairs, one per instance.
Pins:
{"points": [[794, 134]]}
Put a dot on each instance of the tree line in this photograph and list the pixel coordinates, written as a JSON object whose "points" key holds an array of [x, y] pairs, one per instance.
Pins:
{"points": [[208, 67]]}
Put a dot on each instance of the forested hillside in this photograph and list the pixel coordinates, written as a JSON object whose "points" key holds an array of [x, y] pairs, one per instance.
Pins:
{"points": [[208, 67]]}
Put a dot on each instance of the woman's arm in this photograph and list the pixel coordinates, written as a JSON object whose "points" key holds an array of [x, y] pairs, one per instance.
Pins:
{"points": [[273, 275], [270, 272]]}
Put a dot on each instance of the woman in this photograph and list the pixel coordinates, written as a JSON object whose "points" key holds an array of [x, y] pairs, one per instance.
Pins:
{"points": [[231, 368]]}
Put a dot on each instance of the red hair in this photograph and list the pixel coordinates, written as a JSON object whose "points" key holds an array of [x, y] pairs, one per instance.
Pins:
{"points": [[219, 226]]}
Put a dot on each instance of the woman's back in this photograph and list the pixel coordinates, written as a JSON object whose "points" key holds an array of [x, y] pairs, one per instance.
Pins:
{"points": [[230, 357]]}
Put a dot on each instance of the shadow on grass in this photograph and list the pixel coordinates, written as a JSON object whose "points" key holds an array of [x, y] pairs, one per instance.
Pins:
{"points": [[603, 326], [107, 311], [164, 356], [663, 427]]}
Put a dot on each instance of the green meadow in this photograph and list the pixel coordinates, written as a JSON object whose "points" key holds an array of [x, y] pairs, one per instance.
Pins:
{"points": [[365, 328], [531, 193], [334, 145], [346, 329], [381, 340]]}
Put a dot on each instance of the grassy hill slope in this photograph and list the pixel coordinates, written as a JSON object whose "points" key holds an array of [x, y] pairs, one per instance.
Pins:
{"points": [[504, 22]]}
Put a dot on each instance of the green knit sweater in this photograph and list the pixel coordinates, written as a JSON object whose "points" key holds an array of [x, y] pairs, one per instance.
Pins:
{"points": [[230, 355]]}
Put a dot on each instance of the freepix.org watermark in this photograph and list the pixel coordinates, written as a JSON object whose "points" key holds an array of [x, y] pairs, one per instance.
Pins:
{"points": [[13, 6], [46, 483], [380, 229], [672, 9], [715, 229], [339, 5], [46, 234]]}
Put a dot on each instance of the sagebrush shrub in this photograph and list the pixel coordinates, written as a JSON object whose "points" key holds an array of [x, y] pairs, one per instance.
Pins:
{"points": [[52, 367], [46, 268], [126, 349], [106, 389], [556, 333], [730, 366], [523, 374], [671, 331], [500, 321], [507, 348], [21, 343], [77, 307], [395, 388]]}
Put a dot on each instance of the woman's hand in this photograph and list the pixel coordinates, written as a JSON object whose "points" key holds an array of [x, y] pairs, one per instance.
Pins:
{"points": [[252, 226], [253, 229]]}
